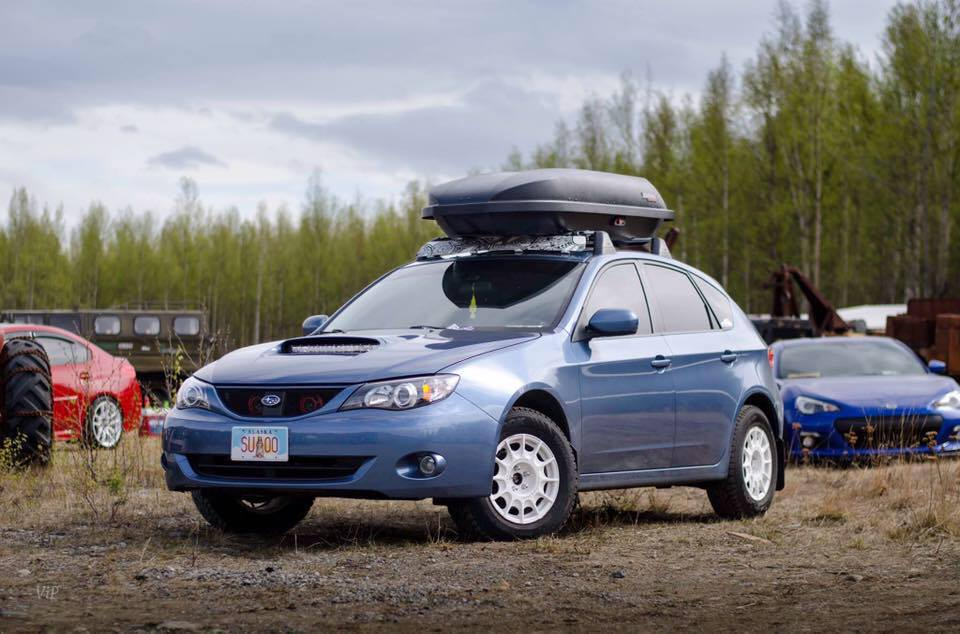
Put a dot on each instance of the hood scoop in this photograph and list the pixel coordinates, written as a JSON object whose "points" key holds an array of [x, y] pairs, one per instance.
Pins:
{"points": [[343, 346]]}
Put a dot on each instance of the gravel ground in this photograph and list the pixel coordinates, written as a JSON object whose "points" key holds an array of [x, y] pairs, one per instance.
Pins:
{"points": [[873, 549]]}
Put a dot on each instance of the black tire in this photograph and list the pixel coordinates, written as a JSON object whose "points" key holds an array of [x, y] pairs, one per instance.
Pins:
{"points": [[252, 514], [476, 518], [89, 436], [27, 393], [730, 498]]}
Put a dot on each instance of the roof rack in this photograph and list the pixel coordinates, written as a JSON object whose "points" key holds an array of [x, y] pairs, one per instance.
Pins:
{"points": [[583, 242]]}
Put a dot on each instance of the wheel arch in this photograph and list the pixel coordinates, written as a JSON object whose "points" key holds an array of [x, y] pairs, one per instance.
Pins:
{"points": [[763, 401], [547, 404]]}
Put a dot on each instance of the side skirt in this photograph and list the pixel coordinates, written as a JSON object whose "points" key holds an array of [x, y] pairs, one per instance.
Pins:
{"points": [[653, 477]]}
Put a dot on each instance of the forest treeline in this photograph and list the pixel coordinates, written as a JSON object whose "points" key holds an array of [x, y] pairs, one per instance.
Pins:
{"points": [[257, 278], [810, 154]]}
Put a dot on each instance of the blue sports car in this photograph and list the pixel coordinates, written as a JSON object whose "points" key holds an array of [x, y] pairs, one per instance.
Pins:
{"points": [[848, 397], [498, 376]]}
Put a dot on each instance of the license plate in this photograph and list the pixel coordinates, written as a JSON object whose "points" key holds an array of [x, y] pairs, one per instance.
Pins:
{"points": [[259, 444]]}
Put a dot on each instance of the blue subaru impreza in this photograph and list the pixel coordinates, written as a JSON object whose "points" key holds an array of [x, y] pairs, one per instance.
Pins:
{"points": [[499, 376]]}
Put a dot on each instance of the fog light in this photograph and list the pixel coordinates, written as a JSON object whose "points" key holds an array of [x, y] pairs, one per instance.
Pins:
{"points": [[428, 465], [809, 439]]}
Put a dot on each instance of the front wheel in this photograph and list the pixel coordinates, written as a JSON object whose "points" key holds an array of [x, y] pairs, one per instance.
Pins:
{"points": [[104, 425], [752, 472], [252, 514], [534, 483]]}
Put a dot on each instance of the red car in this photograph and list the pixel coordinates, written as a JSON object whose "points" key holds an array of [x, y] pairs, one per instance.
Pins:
{"points": [[96, 396]]}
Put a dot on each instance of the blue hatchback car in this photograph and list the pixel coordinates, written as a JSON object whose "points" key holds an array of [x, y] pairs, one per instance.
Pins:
{"points": [[850, 397], [498, 376]]}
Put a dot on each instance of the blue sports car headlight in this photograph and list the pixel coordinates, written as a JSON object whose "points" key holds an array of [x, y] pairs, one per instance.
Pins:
{"points": [[807, 405], [403, 393], [950, 400]]}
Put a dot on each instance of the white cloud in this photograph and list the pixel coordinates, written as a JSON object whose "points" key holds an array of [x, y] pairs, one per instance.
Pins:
{"points": [[115, 102]]}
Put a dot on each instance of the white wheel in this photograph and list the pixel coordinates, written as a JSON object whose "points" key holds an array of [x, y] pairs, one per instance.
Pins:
{"points": [[526, 479], [105, 423], [757, 464]]}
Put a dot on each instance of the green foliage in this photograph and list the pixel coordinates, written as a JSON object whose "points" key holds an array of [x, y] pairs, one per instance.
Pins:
{"points": [[809, 156], [258, 278]]}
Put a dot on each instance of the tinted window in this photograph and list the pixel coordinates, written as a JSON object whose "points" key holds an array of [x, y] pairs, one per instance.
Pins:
{"points": [[841, 358], [106, 325], [186, 326], [146, 325], [483, 292], [63, 352], [619, 287], [719, 302], [70, 323], [679, 305]]}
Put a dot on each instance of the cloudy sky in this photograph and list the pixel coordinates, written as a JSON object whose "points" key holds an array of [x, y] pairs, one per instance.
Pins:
{"points": [[115, 101]]}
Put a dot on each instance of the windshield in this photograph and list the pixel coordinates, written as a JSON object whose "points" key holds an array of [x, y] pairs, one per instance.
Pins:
{"points": [[488, 292], [875, 358]]}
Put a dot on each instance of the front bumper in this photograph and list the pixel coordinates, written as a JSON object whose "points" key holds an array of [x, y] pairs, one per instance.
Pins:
{"points": [[454, 428], [828, 443]]}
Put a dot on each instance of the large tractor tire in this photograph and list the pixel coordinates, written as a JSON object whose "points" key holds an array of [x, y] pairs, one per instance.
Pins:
{"points": [[26, 390]]}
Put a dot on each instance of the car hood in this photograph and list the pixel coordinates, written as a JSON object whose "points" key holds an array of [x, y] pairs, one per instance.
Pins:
{"points": [[903, 392], [385, 355]]}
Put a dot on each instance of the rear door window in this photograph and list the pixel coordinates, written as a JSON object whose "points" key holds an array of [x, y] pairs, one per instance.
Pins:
{"points": [[146, 325], [618, 286], [679, 306]]}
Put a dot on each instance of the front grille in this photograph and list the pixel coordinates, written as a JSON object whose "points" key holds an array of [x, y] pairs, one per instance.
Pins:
{"points": [[889, 432], [297, 468], [245, 401]]}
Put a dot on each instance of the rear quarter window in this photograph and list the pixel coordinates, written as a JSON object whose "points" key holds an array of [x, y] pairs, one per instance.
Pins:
{"points": [[719, 302]]}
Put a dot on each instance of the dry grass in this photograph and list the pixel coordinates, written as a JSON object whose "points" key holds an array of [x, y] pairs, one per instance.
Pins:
{"points": [[124, 487], [650, 556]]}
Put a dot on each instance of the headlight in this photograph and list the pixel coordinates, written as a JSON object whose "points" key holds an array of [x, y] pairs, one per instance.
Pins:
{"points": [[950, 400], [192, 394], [807, 405], [403, 393]]}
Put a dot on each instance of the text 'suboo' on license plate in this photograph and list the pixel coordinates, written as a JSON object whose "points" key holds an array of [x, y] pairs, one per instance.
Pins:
{"points": [[256, 443]]}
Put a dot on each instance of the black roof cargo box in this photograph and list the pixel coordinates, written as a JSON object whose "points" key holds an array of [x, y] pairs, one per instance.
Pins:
{"points": [[548, 202]]}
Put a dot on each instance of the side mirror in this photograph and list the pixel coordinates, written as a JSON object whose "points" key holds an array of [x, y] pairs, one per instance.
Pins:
{"points": [[612, 322], [313, 323], [937, 367]]}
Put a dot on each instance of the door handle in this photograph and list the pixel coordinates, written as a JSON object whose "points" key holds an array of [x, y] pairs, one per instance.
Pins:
{"points": [[84, 375], [728, 357], [660, 362]]}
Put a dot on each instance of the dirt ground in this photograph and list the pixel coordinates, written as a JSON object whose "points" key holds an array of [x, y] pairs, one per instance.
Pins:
{"points": [[96, 544]]}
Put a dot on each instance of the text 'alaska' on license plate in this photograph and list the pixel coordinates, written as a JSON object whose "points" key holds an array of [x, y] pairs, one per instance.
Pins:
{"points": [[256, 443]]}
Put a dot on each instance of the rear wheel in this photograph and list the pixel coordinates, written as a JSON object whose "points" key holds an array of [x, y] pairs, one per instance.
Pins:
{"points": [[262, 514], [27, 401], [534, 483], [752, 471]]}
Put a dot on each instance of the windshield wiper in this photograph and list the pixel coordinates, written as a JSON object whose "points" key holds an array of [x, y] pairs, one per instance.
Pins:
{"points": [[424, 327]]}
